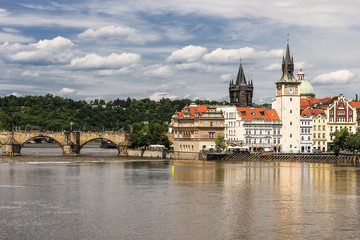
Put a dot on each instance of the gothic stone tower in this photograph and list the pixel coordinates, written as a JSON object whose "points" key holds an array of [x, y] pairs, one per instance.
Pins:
{"points": [[241, 93], [288, 105]]}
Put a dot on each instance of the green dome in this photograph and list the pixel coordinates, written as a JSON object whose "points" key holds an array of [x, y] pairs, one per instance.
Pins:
{"points": [[306, 89]]}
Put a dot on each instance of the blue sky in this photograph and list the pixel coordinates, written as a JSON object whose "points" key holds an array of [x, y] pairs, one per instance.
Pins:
{"points": [[178, 49]]}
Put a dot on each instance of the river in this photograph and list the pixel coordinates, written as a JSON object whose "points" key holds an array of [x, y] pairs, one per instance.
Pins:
{"points": [[101, 196]]}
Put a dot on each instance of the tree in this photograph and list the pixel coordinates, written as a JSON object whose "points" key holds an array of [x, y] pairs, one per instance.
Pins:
{"points": [[341, 137], [220, 142]]}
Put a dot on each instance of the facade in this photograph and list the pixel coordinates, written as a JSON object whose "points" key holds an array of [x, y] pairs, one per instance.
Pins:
{"points": [[319, 129], [341, 114], [195, 128], [288, 105], [234, 130], [241, 93], [306, 131], [262, 129]]}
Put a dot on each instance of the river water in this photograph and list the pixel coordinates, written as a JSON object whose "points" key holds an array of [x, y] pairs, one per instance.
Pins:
{"points": [[102, 196]]}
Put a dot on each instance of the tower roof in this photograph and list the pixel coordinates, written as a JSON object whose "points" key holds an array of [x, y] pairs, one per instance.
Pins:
{"points": [[240, 79], [288, 67]]}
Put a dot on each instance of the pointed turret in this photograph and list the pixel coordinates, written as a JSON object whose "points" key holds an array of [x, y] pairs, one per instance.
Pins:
{"points": [[241, 80], [288, 67]]}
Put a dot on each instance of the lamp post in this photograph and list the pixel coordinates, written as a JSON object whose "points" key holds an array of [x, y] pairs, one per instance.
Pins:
{"points": [[71, 124]]}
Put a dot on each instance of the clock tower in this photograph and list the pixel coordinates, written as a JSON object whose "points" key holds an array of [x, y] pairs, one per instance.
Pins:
{"points": [[288, 105]]}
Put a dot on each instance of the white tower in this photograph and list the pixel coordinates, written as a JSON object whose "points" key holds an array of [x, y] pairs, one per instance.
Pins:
{"points": [[288, 105]]}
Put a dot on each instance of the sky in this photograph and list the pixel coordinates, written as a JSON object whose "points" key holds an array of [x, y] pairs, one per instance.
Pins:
{"points": [[175, 48]]}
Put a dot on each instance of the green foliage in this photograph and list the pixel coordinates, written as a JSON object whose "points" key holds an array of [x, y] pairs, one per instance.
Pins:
{"points": [[220, 142], [341, 139], [55, 113]]}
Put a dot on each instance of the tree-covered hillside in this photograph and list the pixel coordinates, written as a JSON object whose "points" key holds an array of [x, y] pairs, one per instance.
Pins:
{"points": [[55, 113]]}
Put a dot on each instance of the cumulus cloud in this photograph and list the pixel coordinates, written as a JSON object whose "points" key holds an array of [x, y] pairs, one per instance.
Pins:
{"points": [[226, 77], [159, 70], [65, 91], [192, 67], [117, 33], [338, 77], [114, 60], [159, 95], [189, 53], [220, 55], [273, 66], [44, 52]]}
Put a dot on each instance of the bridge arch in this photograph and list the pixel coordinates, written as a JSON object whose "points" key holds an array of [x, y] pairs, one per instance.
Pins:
{"points": [[100, 138], [39, 136]]}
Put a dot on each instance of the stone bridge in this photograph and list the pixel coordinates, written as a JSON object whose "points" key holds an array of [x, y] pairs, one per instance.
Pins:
{"points": [[70, 142]]}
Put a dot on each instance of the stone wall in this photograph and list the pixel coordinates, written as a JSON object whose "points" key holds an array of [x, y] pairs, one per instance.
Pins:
{"points": [[147, 153], [187, 156]]}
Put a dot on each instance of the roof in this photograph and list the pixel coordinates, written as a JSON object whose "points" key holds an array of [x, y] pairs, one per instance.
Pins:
{"points": [[312, 112], [192, 110], [249, 114], [321, 102], [306, 88], [355, 104]]}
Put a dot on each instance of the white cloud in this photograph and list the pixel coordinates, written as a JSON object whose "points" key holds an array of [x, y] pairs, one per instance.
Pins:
{"points": [[332, 78], [15, 94], [114, 60], [189, 53], [302, 65], [273, 66], [44, 52], [159, 95], [192, 67], [112, 33], [220, 55], [65, 91], [110, 72], [226, 77], [159, 70], [30, 73]]}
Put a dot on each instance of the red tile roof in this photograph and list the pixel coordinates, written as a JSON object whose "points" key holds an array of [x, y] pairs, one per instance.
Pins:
{"points": [[355, 104], [310, 112], [201, 109], [258, 114], [310, 102]]}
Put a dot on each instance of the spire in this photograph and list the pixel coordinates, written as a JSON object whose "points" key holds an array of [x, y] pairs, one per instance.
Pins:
{"points": [[288, 66], [240, 80]]}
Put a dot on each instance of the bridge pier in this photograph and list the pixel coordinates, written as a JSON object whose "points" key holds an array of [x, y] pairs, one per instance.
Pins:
{"points": [[11, 149], [71, 150]]}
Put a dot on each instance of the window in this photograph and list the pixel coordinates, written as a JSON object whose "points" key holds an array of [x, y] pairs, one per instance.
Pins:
{"points": [[290, 99], [331, 129], [323, 128], [278, 140], [291, 135], [323, 135], [319, 128], [314, 127], [290, 123], [302, 138], [290, 145], [254, 140], [211, 135], [260, 140], [211, 124], [290, 111], [274, 140], [309, 138], [319, 135]]}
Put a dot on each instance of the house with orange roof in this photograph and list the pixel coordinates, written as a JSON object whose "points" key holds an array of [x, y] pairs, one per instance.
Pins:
{"points": [[305, 131], [194, 129], [262, 129]]}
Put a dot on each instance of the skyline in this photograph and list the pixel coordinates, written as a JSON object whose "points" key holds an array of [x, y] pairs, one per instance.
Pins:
{"points": [[178, 49]]}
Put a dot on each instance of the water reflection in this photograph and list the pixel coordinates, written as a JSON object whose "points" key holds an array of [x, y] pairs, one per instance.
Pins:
{"points": [[137, 199]]}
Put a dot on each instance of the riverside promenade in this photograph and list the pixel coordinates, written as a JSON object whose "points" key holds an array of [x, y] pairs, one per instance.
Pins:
{"points": [[286, 157]]}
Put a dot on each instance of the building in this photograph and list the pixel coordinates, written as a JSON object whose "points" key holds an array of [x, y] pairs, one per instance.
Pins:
{"points": [[341, 114], [306, 131], [288, 105], [319, 129], [262, 129], [241, 93], [306, 90], [195, 128], [234, 130]]}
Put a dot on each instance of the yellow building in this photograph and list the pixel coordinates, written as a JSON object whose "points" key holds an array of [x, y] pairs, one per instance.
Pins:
{"points": [[195, 128]]}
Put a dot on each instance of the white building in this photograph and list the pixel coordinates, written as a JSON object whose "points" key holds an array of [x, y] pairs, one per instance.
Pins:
{"points": [[234, 131], [262, 129], [288, 105], [306, 131]]}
